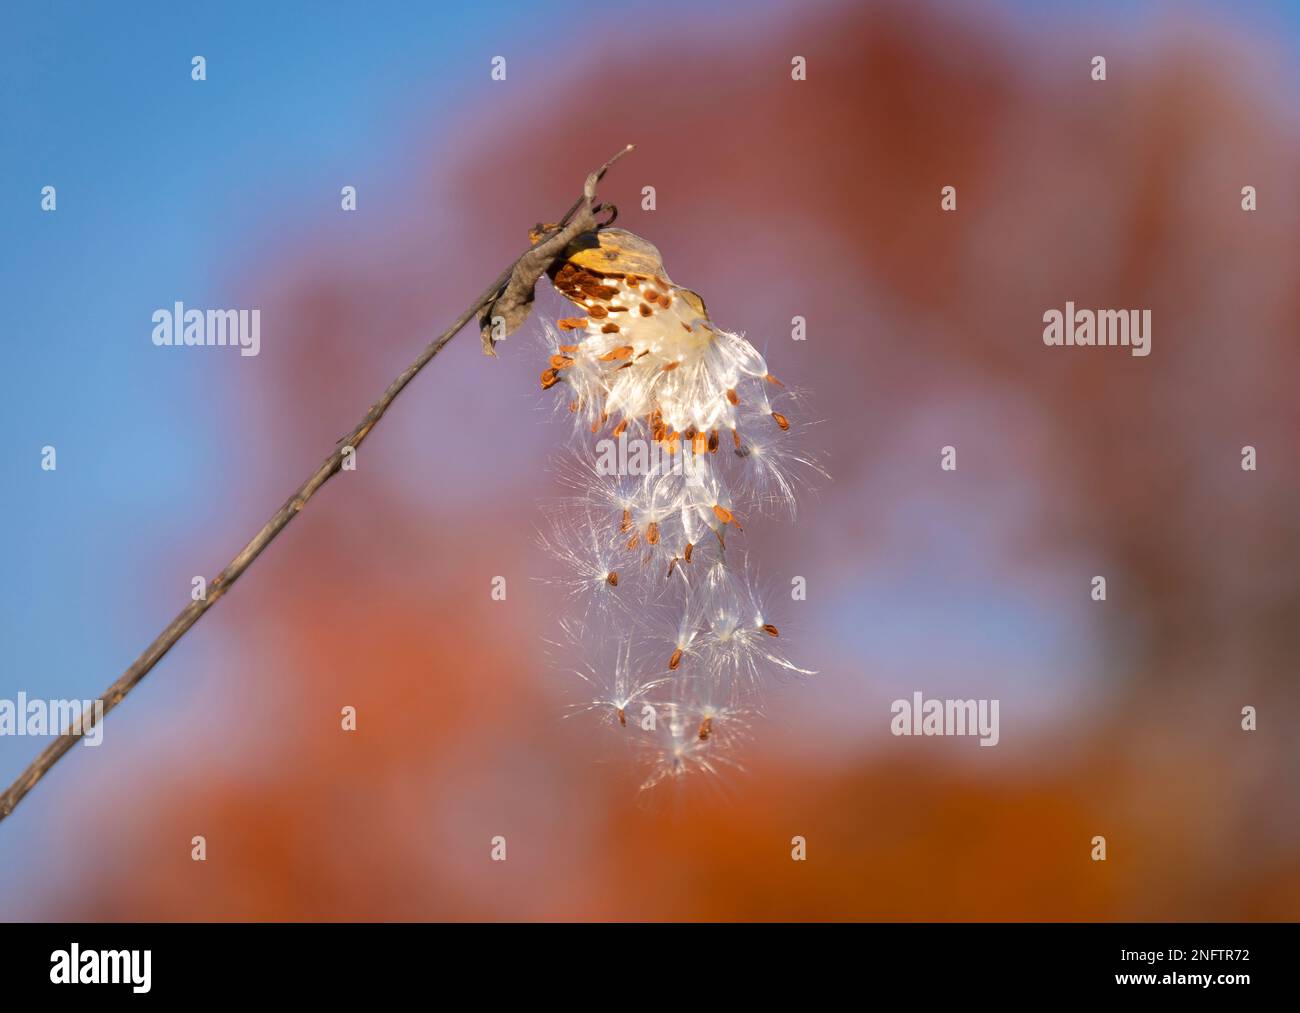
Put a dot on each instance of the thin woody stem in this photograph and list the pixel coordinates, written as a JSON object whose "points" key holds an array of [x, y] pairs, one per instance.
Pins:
{"points": [[509, 283]]}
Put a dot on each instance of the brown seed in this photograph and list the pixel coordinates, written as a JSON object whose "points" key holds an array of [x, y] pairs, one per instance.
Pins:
{"points": [[612, 578], [568, 349], [622, 718], [665, 301], [627, 521], [675, 660], [598, 312], [609, 329], [650, 295], [549, 379], [631, 542], [706, 729], [571, 323], [645, 310], [670, 366], [652, 533], [686, 553], [605, 292], [733, 397], [633, 281], [687, 328], [618, 309], [735, 436], [621, 352], [713, 442], [561, 361], [781, 421], [770, 630], [722, 513]]}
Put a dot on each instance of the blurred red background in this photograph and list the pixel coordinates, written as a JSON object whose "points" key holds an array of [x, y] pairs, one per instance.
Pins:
{"points": [[779, 198]]}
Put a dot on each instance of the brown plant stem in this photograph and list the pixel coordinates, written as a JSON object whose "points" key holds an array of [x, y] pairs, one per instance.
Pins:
{"points": [[507, 300]]}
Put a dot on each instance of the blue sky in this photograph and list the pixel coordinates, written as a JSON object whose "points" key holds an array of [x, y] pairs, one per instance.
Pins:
{"points": [[159, 180]]}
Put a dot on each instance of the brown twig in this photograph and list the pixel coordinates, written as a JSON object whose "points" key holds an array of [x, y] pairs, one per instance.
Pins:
{"points": [[506, 301]]}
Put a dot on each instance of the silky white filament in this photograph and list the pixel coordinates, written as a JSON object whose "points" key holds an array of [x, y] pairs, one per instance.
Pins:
{"points": [[682, 435]]}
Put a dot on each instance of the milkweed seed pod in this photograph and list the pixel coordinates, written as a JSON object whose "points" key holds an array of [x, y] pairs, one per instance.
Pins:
{"points": [[680, 434]]}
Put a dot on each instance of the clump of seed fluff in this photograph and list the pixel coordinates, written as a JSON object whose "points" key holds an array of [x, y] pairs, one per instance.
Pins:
{"points": [[681, 434]]}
